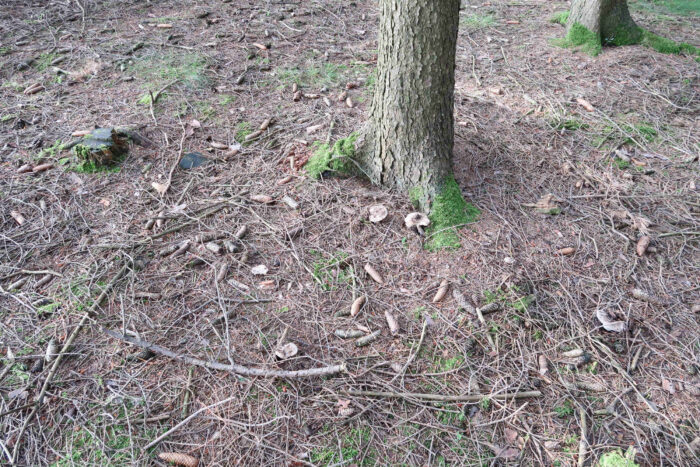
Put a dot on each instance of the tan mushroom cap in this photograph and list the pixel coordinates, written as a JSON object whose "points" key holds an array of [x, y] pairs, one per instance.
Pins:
{"points": [[416, 219], [378, 213]]}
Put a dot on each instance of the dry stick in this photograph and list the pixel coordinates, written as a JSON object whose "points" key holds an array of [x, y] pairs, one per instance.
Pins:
{"points": [[583, 442], [414, 354], [185, 421], [233, 368], [64, 350], [443, 398]]}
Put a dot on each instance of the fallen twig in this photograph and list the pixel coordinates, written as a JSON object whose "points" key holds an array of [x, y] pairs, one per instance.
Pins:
{"points": [[445, 398], [233, 368]]}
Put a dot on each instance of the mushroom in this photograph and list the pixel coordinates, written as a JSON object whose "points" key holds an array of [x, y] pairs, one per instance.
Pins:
{"points": [[416, 221], [286, 351], [377, 213]]}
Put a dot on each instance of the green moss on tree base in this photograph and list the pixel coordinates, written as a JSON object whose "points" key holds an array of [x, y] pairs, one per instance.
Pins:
{"points": [[582, 37], [335, 159], [589, 42], [448, 211]]}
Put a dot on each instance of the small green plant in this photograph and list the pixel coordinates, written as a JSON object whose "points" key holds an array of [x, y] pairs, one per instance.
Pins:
{"points": [[475, 21], [621, 164], [328, 75], [44, 61], [47, 309], [242, 130], [7, 117], [52, 150], [560, 17], [332, 270], [570, 124], [351, 444], [485, 404], [226, 99], [187, 69], [564, 410], [443, 364], [618, 459]]}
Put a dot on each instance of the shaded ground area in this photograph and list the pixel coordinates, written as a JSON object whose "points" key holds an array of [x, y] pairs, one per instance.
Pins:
{"points": [[204, 78]]}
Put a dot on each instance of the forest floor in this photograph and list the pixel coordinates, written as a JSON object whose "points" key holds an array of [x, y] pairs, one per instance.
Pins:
{"points": [[603, 178]]}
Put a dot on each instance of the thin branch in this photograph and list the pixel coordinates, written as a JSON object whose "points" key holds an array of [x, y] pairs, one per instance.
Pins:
{"points": [[232, 368]]}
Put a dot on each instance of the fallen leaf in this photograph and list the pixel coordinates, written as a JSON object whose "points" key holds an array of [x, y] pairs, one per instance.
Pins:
{"points": [[161, 188], [568, 251], [19, 218], [510, 435], [344, 409], [609, 322], [545, 205], [506, 453], [262, 199], [668, 386], [259, 270], [643, 244]]}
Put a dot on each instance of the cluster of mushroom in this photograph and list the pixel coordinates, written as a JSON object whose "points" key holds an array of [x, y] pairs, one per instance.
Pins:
{"points": [[415, 221]]}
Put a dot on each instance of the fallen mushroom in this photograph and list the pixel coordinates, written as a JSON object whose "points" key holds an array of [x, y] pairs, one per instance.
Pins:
{"points": [[416, 221], [377, 213], [286, 351]]}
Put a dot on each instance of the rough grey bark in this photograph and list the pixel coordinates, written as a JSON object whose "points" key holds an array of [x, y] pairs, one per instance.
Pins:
{"points": [[409, 138], [609, 19]]}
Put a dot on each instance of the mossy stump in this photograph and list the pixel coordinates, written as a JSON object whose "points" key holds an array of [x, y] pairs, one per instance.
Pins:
{"points": [[102, 148]]}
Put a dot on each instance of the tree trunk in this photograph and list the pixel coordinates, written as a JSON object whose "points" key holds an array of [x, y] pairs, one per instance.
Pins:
{"points": [[609, 20], [408, 142]]}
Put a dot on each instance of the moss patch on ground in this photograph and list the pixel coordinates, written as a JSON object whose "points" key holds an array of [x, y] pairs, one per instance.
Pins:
{"points": [[332, 159], [448, 211]]}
